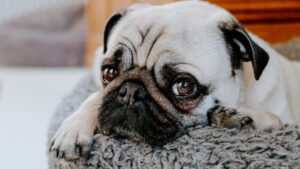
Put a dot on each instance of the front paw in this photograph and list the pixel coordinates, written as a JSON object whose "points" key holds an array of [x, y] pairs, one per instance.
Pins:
{"points": [[229, 118], [72, 139]]}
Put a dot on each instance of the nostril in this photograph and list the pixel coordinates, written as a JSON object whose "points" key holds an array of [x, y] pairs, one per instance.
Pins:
{"points": [[123, 91], [141, 94]]}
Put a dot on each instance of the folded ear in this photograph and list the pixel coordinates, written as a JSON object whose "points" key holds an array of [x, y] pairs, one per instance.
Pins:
{"points": [[110, 24], [243, 48], [115, 18]]}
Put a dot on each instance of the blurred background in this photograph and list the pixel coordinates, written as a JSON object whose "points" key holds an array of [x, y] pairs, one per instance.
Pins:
{"points": [[47, 46]]}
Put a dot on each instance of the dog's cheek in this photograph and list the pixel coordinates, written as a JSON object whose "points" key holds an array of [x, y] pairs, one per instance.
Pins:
{"points": [[187, 106], [198, 114], [206, 104]]}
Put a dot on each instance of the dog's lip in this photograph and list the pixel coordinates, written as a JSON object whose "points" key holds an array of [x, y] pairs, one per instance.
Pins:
{"points": [[120, 129], [125, 132]]}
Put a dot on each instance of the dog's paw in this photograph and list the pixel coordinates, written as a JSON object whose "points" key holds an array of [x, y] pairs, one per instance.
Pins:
{"points": [[73, 139], [224, 117]]}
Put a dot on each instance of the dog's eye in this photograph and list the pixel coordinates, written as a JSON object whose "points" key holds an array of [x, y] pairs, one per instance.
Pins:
{"points": [[183, 88], [109, 74]]}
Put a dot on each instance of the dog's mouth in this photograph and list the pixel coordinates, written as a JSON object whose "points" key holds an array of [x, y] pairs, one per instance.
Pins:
{"points": [[122, 130], [141, 121]]}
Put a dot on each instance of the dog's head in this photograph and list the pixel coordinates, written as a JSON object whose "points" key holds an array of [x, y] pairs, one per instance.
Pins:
{"points": [[163, 67]]}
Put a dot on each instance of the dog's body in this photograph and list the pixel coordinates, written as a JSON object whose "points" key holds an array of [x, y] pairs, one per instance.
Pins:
{"points": [[278, 89], [164, 68]]}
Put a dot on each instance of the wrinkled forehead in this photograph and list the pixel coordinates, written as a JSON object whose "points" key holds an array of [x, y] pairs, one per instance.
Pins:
{"points": [[184, 37]]}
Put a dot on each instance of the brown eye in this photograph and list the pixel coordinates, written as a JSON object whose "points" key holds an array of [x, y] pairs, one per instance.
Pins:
{"points": [[109, 74], [183, 88]]}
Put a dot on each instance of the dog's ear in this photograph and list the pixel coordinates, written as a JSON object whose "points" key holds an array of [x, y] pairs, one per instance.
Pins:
{"points": [[115, 18], [243, 48], [112, 21]]}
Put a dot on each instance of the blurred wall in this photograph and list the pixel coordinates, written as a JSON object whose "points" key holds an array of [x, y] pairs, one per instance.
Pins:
{"points": [[49, 34], [14, 8]]}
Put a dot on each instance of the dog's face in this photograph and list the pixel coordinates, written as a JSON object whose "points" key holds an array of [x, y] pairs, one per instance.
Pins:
{"points": [[163, 67]]}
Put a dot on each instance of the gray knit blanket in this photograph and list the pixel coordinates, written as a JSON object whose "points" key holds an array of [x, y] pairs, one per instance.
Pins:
{"points": [[200, 147]]}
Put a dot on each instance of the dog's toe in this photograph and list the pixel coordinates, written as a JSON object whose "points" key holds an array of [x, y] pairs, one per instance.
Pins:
{"points": [[68, 148], [84, 142], [55, 144], [71, 143], [55, 153], [229, 118], [65, 149], [61, 154], [246, 120]]}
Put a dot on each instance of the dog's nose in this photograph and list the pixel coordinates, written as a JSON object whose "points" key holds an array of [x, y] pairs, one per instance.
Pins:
{"points": [[131, 92]]}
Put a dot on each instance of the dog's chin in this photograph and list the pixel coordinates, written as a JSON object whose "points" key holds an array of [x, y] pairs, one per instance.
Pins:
{"points": [[142, 121], [124, 131]]}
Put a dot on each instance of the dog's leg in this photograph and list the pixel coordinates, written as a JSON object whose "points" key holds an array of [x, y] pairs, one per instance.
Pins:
{"points": [[75, 135], [234, 117]]}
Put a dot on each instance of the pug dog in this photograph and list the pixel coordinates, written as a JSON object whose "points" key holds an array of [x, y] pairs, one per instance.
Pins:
{"points": [[165, 68]]}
